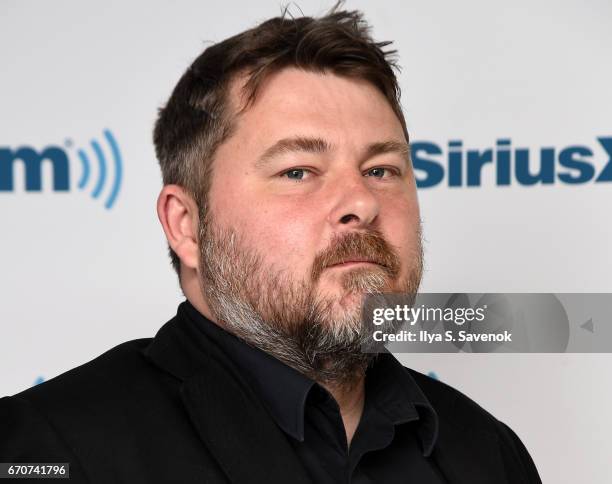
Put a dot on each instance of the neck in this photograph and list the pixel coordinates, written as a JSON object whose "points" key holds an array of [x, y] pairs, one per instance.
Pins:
{"points": [[350, 399], [348, 393]]}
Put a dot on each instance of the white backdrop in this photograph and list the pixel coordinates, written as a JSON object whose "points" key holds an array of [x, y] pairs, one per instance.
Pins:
{"points": [[77, 278]]}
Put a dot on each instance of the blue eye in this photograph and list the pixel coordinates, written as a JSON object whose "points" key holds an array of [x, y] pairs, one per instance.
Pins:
{"points": [[378, 172], [296, 174]]}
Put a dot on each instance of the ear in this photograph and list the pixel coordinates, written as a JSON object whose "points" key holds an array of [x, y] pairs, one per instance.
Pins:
{"points": [[178, 214]]}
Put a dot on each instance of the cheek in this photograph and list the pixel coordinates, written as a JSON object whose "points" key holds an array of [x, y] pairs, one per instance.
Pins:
{"points": [[402, 226], [283, 234]]}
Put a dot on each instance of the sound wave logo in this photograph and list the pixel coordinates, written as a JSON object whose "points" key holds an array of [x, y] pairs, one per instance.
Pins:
{"points": [[102, 164], [109, 169]]}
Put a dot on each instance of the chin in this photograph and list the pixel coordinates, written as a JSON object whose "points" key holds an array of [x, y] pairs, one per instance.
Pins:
{"points": [[348, 304]]}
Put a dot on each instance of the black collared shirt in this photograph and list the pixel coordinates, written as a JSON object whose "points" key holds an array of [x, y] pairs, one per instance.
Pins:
{"points": [[395, 437]]}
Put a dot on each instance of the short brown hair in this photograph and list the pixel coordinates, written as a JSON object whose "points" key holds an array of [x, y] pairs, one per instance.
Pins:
{"points": [[196, 119]]}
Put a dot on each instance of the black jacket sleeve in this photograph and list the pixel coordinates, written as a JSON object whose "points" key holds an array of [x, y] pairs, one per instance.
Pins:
{"points": [[26, 436], [513, 446]]}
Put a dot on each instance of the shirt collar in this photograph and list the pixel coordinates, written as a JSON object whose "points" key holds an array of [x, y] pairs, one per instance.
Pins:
{"points": [[396, 393], [285, 391]]}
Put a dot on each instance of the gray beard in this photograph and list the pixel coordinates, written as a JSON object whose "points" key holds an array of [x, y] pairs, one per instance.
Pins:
{"points": [[287, 318]]}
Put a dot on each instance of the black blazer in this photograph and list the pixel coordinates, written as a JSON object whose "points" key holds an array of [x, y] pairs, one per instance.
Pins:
{"points": [[168, 410]]}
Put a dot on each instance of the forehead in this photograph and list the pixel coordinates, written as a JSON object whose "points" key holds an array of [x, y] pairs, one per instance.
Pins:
{"points": [[295, 101]]}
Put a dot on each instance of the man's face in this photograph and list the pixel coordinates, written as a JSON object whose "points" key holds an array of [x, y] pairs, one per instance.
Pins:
{"points": [[312, 205]]}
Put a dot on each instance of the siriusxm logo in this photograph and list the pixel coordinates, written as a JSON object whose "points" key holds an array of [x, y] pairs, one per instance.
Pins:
{"points": [[465, 167], [32, 160]]}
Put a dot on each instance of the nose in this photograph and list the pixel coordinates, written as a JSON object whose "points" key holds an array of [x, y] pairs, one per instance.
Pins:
{"points": [[355, 205]]}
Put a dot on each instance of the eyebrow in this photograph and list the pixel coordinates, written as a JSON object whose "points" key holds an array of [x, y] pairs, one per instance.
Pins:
{"points": [[382, 147], [296, 144], [318, 145]]}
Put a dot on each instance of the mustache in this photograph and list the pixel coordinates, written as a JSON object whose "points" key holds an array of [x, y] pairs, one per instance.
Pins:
{"points": [[370, 246]]}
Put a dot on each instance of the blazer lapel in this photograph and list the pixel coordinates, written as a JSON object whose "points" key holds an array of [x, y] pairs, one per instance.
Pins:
{"points": [[229, 418], [238, 431]]}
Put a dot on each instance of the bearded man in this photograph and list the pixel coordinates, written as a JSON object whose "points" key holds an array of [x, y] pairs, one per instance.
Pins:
{"points": [[288, 197]]}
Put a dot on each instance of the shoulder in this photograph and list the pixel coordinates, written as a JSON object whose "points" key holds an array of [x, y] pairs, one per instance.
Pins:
{"points": [[48, 422], [106, 373], [460, 416], [455, 408], [96, 395], [451, 404]]}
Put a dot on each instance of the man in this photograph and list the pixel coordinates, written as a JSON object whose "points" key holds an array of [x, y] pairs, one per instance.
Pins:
{"points": [[288, 196]]}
